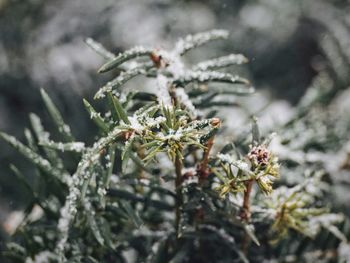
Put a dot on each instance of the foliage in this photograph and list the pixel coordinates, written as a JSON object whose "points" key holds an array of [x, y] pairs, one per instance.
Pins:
{"points": [[155, 187]]}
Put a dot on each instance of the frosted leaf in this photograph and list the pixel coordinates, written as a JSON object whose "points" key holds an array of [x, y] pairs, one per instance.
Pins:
{"points": [[36, 158], [71, 146], [80, 177], [36, 213], [207, 76], [327, 221], [154, 122], [125, 56], [244, 166], [135, 124], [185, 100], [233, 59], [63, 228], [163, 91], [122, 79], [44, 136], [77, 146], [63, 128], [98, 48], [95, 114], [192, 41], [90, 213]]}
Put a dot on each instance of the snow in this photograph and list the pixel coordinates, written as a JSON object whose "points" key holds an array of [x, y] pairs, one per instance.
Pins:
{"points": [[135, 124], [163, 91], [77, 146], [185, 100]]}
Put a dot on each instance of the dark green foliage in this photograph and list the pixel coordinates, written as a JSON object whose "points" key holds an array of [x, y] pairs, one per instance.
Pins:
{"points": [[155, 188]]}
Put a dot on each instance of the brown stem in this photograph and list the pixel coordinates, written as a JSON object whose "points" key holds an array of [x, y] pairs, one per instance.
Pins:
{"points": [[202, 169], [178, 201], [245, 214]]}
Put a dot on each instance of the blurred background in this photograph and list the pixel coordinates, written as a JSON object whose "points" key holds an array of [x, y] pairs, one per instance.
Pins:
{"points": [[290, 45]]}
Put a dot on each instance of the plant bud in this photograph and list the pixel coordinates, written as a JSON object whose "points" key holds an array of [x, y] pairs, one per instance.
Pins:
{"points": [[215, 122]]}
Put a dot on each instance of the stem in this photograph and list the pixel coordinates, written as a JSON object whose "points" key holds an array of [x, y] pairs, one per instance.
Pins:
{"points": [[245, 214], [202, 170], [178, 201]]}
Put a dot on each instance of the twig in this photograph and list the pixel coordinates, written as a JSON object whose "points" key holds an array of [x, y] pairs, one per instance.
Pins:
{"points": [[202, 169], [245, 214], [178, 201]]}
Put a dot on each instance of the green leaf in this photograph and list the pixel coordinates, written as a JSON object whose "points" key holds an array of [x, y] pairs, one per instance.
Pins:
{"points": [[153, 152], [44, 204], [85, 184], [105, 231], [145, 96], [191, 41], [96, 117], [114, 113], [249, 229], [62, 127], [150, 109], [123, 57], [150, 144], [118, 108], [77, 147], [123, 77], [20, 177], [16, 251], [209, 76], [94, 226], [111, 154], [168, 116], [135, 218], [139, 163], [43, 137], [35, 158], [237, 89], [221, 62], [99, 49], [204, 138], [127, 152], [222, 103], [30, 140]]}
